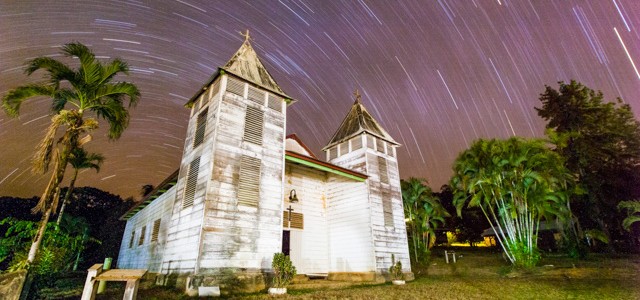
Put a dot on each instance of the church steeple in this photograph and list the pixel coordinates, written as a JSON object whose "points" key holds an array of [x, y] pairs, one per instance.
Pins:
{"points": [[357, 121], [246, 65]]}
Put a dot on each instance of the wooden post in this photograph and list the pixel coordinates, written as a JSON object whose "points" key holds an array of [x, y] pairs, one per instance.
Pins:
{"points": [[90, 285], [131, 290], [446, 256], [102, 286]]}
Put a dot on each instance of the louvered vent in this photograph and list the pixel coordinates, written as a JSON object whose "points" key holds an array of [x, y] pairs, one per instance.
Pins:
{"points": [[253, 125], [387, 208], [215, 88], [235, 86], [297, 220], [344, 148], [201, 125], [380, 145], [192, 181], [382, 169], [356, 143], [333, 153], [275, 103], [256, 95], [142, 233], [249, 181], [390, 151], [133, 235], [370, 141], [155, 231]]}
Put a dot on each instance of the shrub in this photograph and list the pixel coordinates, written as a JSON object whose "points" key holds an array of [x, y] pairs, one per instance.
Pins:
{"points": [[283, 270]]}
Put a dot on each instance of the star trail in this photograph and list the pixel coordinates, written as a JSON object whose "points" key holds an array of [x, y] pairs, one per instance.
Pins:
{"points": [[436, 74]]}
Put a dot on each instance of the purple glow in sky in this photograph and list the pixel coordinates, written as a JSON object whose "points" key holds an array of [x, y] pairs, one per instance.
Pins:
{"points": [[436, 74]]}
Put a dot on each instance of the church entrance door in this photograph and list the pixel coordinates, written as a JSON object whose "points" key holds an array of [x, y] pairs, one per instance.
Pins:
{"points": [[286, 242]]}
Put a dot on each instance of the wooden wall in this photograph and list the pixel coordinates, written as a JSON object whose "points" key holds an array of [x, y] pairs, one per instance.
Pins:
{"points": [[149, 254], [235, 235], [309, 246]]}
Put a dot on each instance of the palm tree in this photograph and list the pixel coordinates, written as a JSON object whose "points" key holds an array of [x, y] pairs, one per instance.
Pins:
{"points": [[516, 183], [633, 213], [89, 88], [79, 159], [412, 191], [424, 213]]}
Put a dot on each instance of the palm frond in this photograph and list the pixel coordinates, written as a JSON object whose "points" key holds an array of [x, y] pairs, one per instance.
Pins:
{"points": [[56, 70], [13, 99], [116, 115]]}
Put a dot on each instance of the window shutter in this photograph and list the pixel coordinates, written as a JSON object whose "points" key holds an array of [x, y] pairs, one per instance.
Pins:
{"points": [[133, 235], [201, 125], [382, 169], [155, 231], [387, 208], [333, 153], [256, 95], [142, 233], [356, 143], [192, 180], [380, 145], [253, 122], [249, 181], [344, 148], [275, 103], [370, 142], [235, 86], [297, 220]]}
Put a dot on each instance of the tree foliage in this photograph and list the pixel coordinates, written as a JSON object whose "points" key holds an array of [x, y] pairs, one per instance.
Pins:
{"points": [[516, 183], [600, 142], [89, 88], [424, 214]]}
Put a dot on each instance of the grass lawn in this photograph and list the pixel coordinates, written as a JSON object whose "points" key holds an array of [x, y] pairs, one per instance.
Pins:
{"points": [[477, 275]]}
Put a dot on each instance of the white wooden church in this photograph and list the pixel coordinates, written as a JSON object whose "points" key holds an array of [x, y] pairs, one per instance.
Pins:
{"points": [[245, 190]]}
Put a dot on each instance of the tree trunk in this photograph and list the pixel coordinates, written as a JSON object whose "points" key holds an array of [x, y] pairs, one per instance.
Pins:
{"points": [[38, 238], [67, 196]]}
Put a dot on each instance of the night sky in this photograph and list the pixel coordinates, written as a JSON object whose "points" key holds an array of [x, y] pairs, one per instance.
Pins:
{"points": [[436, 74]]}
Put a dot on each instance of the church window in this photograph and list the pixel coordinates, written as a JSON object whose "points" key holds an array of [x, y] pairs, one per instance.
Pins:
{"points": [[387, 208], [155, 231], [382, 169], [142, 233], [201, 125], [296, 221], [133, 235], [256, 95], [391, 151], [249, 181], [275, 103], [253, 122], [356, 143], [235, 86], [192, 180]]}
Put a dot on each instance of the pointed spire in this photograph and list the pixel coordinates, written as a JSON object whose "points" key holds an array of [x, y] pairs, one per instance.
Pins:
{"points": [[357, 121], [246, 65], [356, 94]]}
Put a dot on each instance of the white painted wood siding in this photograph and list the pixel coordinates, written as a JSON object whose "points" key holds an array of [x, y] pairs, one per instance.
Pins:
{"points": [[149, 254], [236, 235], [309, 246], [348, 212]]}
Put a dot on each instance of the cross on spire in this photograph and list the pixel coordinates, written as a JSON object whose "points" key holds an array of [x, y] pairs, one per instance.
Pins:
{"points": [[246, 36], [356, 94]]}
